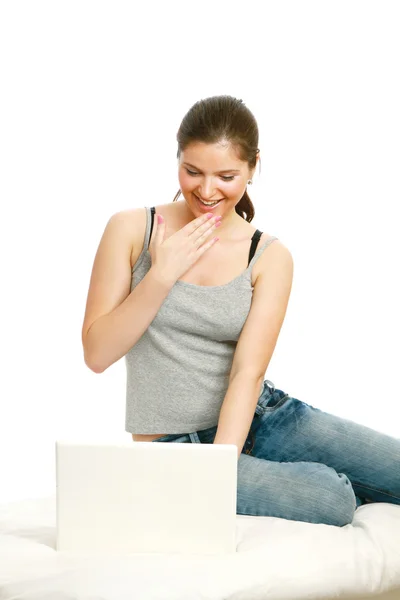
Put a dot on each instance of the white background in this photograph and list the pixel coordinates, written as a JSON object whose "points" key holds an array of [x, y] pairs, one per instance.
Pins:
{"points": [[92, 94]]}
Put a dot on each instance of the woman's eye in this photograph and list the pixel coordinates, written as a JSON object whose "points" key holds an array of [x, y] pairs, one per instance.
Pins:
{"points": [[224, 178]]}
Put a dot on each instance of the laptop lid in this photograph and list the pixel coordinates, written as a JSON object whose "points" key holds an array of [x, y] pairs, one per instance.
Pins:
{"points": [[121, 498]]}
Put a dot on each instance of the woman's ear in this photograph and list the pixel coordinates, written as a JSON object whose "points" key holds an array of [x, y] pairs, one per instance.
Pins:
{"points": [[257, 162]]}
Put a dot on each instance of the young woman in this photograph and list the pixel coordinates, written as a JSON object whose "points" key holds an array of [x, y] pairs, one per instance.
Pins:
{"points": [[194, 298]]}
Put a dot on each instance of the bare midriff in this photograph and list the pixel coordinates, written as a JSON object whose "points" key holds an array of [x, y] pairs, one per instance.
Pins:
{"points": [[139, 437]]}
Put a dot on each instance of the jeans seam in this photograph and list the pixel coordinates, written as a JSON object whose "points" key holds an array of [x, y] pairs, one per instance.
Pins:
{"points": [[361, 485], [252, 437]]}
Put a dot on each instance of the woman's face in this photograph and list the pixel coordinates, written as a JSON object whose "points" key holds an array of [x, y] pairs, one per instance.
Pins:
{"points": [[212, 172]]}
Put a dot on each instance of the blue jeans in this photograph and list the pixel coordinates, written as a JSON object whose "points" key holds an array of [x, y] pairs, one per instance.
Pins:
{"points": [[303, 464]]}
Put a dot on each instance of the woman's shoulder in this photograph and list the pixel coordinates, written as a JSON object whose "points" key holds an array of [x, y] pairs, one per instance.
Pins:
{"points": [[135, 218], [137, 214], [131, 224]]}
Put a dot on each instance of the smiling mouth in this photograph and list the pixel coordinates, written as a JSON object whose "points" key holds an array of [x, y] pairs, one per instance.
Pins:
{"points": [[209, 203]]}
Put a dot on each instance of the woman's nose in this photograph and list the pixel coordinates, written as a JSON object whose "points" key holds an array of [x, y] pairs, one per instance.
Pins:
{"points": [[207, 189]]}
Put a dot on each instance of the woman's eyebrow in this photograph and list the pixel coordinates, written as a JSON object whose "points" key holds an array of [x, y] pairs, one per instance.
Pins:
{"points": [[224, 171]]}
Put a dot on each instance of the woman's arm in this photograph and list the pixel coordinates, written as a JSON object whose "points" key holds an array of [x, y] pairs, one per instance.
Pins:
{"points": [[115, 317], [256, 345]]}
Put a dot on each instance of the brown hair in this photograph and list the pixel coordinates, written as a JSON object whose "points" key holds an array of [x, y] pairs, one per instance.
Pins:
{"points": [[222, 118]]}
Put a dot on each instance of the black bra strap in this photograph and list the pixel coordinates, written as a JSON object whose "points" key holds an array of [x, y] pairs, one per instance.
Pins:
{"points": [[153, 212], [254, 240]]}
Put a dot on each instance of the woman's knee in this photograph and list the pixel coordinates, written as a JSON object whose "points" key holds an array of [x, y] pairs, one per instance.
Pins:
{"points": [[300, 491], [332, 500], [339, 500]]}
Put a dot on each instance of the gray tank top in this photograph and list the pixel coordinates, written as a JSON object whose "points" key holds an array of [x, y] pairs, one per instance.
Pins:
{"points": [[178, 371]]}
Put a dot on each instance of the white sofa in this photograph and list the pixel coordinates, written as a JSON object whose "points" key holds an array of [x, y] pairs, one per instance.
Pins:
{"points": [[275, 558]]}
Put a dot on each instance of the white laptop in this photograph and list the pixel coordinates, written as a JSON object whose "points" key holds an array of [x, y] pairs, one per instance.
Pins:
{"points": [[145, 497]]}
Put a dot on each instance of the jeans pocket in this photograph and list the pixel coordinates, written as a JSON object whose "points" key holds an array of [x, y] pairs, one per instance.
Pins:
{"points": [[276, 402], [271, 403]]}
